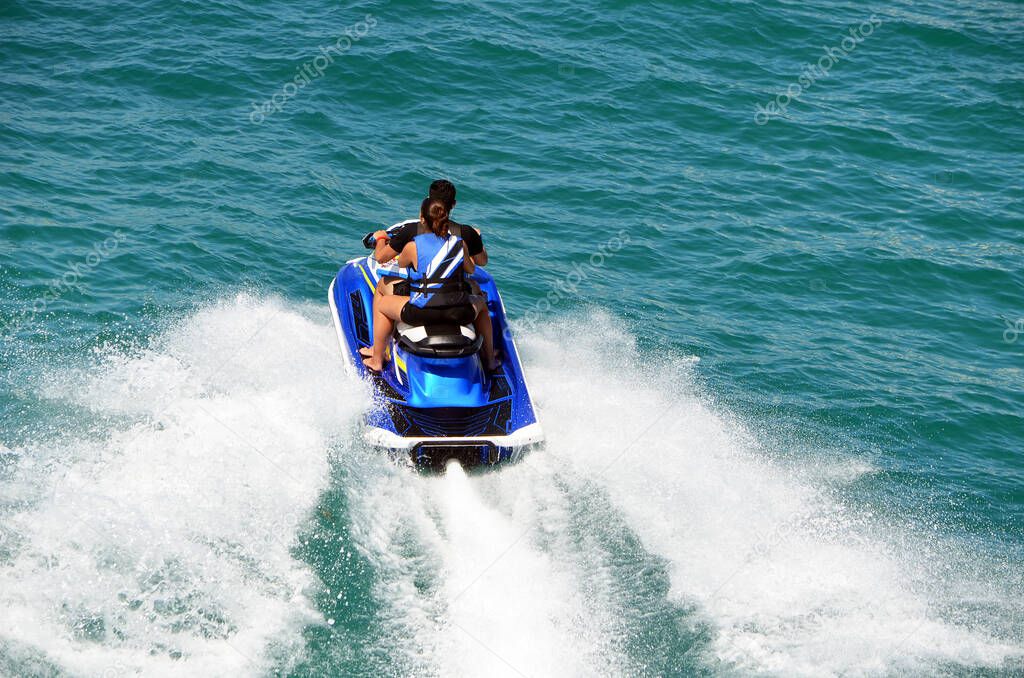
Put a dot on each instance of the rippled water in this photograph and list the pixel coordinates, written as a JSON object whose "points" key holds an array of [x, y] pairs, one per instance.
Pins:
{"points": [[785, 420]]}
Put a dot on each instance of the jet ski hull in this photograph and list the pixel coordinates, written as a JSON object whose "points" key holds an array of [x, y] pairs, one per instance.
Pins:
{"points": [[428, 408]]}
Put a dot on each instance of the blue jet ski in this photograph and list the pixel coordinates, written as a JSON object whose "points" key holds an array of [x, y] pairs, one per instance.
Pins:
{"points": [[435, 401]]}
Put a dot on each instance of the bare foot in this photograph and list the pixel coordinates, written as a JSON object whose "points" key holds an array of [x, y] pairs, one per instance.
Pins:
{"points": [[365, 351], [375, 367]]}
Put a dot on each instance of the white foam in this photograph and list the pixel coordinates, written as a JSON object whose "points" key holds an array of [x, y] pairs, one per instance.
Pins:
{"points": [[488, 585], [164, 546], [790, 581]]}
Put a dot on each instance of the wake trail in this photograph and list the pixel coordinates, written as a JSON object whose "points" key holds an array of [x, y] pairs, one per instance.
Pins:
{"points": [[789, 580], [156, 535], [652, 536], [477, 569]]}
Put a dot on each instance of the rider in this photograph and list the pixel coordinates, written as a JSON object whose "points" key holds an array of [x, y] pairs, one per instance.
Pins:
{"points": [[438, 287], [386, 249]]}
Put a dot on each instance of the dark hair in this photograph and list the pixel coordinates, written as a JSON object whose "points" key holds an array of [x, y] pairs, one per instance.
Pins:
{"points": [[434, 214], [443, 190]]}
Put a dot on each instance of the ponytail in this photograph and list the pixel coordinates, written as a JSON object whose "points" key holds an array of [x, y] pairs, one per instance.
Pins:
{"points": [[435, 215]]}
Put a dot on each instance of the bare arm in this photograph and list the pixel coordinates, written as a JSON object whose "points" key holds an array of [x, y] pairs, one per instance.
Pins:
{"points": [[407, 257], [480, 259], [383, 252], [469, 263]]}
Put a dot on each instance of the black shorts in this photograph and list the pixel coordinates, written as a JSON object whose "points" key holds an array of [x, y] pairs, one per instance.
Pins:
{"points": [[444, 315], [400, 288]]}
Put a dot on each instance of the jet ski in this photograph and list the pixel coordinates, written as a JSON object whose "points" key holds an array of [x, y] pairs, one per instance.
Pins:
{"points": [[434, 399]]}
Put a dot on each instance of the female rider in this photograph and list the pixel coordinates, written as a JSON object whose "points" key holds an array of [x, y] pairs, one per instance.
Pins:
{"points": [[438, 290]]}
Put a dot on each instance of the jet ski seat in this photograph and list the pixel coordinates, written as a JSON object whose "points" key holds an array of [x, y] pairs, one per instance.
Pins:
{"points": [[439, 340]]}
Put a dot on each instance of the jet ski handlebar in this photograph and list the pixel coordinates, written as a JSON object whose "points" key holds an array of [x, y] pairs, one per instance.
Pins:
{"points": [[370, 243]]}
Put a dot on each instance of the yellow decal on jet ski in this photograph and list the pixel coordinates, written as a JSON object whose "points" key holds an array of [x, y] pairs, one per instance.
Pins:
{"points": [[373, 288]]}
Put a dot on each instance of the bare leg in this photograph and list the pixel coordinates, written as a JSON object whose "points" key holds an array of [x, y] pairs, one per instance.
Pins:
{"points": [[386, 310], [385, 288], [483, 326]]}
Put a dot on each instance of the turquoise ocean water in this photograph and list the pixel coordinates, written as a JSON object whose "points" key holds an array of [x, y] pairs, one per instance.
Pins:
{"points": [[785, 420]]}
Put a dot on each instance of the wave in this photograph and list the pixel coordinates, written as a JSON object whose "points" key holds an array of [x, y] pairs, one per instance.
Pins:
{"points": [[163, 541], [653, 536], [790, 580]]}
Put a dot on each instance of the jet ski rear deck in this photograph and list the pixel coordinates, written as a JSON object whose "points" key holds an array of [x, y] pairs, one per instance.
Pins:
{"points": [[434, 401]]}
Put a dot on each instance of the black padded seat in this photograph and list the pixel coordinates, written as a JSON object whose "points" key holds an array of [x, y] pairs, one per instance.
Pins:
{"points": [[439, 341]]}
